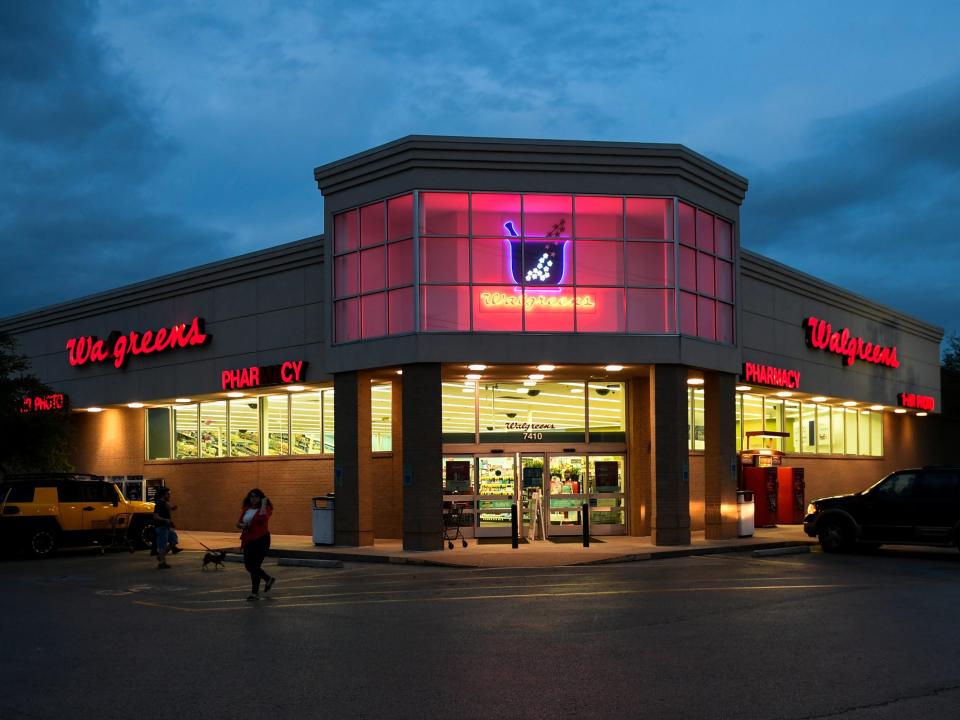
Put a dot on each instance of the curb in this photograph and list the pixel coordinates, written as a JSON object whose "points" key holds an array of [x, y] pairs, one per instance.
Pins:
{"points": [[792, 550], [309, 562], [780, 547]]}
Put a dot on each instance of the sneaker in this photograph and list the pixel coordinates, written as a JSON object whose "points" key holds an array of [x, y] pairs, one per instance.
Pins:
{"points": [[163, 566], [174, 549], [269, 584], [252, 596]]}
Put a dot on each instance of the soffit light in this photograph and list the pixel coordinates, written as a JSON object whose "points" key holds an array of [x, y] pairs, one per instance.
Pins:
{"points": [[876, 407], [921, 414], [694, 381], [818, 398], [613, 368], [536, 376], [744, 388], [399, 372], [784, 393], [295, 388], [182, 400], [135, 405], [848, 403], [94, 409], [900, 411], [546, 367], [234, 394], [477, 367], [473, 376]]}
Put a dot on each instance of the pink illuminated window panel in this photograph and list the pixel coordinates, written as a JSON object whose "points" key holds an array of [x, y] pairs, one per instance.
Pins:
{"points": [[725, 323], [444, 308], [497, 308], [444, 260], [706, 318], [346, 320], [539, 317], [723, 234], [346, 274], [444, 214], [491, 211], [704, 231], [545, 215], [650, 311], [688, 269], [600, 310], [400, 218], [706, 274], [650, 219], [599, 262], [400, 308], [599, 217], [688, 313], [372, 224], [688, 224], [400, 263], [346, 231], [373, 269], [373, 315], [649, 263], [491, 261], [725, 280]]}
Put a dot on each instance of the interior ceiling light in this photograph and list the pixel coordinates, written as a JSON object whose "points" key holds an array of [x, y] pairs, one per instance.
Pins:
{"points": [[848, 403], [295, 388], [784, 393], [477, 367], [694, 381], [613, 368], [876, 407], [473, 376], [94, 409], [744, 388], [470, 389], [529, 383], [921, 414], [523, 390], [546, 367], [818, 398], [576, 390], [536, 376], [135, 405], [900, 411], [182, 400], [234, 394]]}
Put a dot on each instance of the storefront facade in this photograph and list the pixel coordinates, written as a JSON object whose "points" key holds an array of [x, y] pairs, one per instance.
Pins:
{"points": [[493, 322]]}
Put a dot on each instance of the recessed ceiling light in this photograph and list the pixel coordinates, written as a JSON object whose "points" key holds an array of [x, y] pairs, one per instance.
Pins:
{"points": [[848, 403], [576, 390], [921, 414], [94, 409], [876, 407], [536, 376], [135, 405], [523, 390], [469, 383], [694, 381], [474, 376], [546, 367], [295, 388], [182, 400], [900, 411], [399, 372], [468, 390], [818, 398], [784, 393], [477, 367], [234, 394], [613, 368], [529, 383], [744, 388]]}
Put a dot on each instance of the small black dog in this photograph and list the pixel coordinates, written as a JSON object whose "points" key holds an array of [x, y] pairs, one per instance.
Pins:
{"points": [[216, 557]]}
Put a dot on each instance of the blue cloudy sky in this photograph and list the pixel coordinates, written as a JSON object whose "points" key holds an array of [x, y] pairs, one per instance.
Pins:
{"points": [[141, 138]]}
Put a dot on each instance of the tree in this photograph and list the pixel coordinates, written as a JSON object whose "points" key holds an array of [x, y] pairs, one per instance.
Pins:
{"points": [[34, 441], [951, 355]]}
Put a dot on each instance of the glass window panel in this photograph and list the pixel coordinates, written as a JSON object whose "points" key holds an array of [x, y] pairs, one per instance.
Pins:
{"points": [[245, 427], [492, 261], [876, 434], [699, 430], [836, 430], [808, 435], [491, 211], [328, 422], [608, 412], [599, 217], [823, 429], [688, 269], [688, 314], [739, 421], [549, 310], [649, 264], [381, 417], [458, 412], [723, 235], [650, 311], [400, 217], [158, 433], [444, 214], [863, 433], [458, 476], [706, 318], [346, 231], [213, 429], [346, 274], [850, 430], [444, 260], [547, 216], [347, 319], [725, 323], [186, 432], [705, 231], [275, 424], [372, 224], [724, 289], [752, 421], [400, 311], [547, 412], [706, 273], [400, 263], [543, 263], [650, 218], [373, 270], [444, 308], [773, 421], [792, 425], [599, 262], [373, 315], [306, 423], [687, 224], [600, 310], [497, 308]]}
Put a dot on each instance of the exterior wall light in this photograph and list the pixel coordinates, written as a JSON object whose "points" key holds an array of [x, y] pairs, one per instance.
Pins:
{"points": [[477, 367], [921, 414], [848, 403], [694, 381], [94, 409], [182, 400], [900, 411], [295, 388], [743, 388], [784, 393], [613, 368], [878, 408], [135, 405], [234, 394], [818, 398]]}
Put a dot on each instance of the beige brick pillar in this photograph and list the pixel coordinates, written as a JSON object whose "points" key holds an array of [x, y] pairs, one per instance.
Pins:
{"points": [[422, 457], [669, 457], [638, 461], [352, 480], [720, 456]]}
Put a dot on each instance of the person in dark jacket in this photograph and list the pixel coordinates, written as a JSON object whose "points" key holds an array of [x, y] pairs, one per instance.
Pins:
{"points": [[254, 525]]}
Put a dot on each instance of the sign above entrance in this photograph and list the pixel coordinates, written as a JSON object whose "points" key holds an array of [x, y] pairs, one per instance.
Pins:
{"points": [[120, 346], [918, 402], [770, 375], [250, 377], [44, 403], [821, 336]]}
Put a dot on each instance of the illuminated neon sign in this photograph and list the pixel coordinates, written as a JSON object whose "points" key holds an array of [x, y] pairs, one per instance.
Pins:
{"points": [[120, 346], [44, 403], [821, 336], [770, 375], [287, 372], [920, 402]]}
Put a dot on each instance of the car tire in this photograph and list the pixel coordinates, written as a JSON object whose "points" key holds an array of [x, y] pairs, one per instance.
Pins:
{"points": [[834, 535], [142, 533], [42, 542]]}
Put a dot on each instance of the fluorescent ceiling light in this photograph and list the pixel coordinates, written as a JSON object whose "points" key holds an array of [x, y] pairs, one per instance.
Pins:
{"points": [[474, 376], [529, 383], [576, 390], [536, 376]]}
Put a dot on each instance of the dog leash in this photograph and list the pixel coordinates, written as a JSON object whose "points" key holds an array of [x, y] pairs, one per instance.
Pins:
{"points": [[200, 542]]}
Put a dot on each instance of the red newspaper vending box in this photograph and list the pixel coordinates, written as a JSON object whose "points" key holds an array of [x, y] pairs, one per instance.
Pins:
{"points": [[791, 497], [762, 481]]}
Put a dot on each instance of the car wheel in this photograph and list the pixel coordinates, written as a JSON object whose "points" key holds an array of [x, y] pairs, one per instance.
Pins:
{"points": [[143, 534], [42, 542], [834, 536]]}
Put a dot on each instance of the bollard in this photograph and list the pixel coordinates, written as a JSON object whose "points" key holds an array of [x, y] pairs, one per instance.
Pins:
{"points": [[586, 524], [514, 536]]}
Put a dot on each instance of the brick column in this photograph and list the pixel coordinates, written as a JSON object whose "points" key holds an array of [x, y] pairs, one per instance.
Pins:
{"points": [[720, 456], [638, 460], [669, 457], [422, 457], [353, 507]]}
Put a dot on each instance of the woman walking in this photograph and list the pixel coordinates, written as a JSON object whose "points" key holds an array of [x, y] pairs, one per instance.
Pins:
{"points": [[255, 539]]}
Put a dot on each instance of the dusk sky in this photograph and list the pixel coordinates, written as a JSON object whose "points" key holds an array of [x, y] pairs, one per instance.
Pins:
{"points": [[143, 138]]}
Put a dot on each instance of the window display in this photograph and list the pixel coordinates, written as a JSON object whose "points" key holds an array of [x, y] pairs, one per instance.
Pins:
{"points": [[245, 427], [306, 423], [187, 431], [276, 424], [381, 417], [213, 429]]}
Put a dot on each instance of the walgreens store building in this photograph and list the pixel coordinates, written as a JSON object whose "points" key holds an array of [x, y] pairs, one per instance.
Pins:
{"points": [[484, 320]]}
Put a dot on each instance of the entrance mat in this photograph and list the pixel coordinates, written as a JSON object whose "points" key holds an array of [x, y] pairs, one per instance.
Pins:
{"points": [[498, 541], [560, 539]]}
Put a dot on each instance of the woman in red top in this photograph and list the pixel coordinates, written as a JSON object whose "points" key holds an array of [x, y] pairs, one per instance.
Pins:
{"points": [[255, 539]]}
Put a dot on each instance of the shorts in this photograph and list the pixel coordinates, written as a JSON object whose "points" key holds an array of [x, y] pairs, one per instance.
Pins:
{"points": [[166, 536]]}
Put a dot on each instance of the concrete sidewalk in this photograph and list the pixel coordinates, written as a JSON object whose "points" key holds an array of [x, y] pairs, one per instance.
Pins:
{"points": [[497, 552]]}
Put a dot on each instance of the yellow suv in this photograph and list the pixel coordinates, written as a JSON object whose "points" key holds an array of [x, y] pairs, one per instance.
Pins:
{"points": [[40, 513]]}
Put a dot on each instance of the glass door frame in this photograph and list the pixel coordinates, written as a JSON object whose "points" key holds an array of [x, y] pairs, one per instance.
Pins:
{"points": [[479, 530]]}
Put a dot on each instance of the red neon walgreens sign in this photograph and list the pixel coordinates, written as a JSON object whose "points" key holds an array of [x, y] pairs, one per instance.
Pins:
{"points": [[120, 346], [821, 336]]}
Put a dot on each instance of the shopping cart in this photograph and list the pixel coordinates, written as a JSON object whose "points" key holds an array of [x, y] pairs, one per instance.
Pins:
{"points": [[453, 514]]}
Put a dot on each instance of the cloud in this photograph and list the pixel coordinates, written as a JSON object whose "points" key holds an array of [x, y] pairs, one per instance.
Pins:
{"points": [[79, 147]]}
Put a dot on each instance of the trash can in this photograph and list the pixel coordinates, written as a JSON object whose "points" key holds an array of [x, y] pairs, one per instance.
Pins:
{"points": [[744, 513], [323, 520]]}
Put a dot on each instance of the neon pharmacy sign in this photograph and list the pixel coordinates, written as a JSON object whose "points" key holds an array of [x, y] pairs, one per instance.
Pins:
{"points": [[769, 375], [249, 377], [120, 346], [822, 336]]}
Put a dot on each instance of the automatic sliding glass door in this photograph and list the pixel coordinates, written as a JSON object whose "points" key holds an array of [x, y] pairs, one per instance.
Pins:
{"points": [[566, 493], [496, 492]]}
